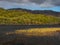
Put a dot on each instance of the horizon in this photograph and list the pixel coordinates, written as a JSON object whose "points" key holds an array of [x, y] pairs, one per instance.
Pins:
{"points": [[29, 9]]}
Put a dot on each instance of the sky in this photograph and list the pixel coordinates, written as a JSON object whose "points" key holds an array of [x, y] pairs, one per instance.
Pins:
{"points": [[31, 4]]}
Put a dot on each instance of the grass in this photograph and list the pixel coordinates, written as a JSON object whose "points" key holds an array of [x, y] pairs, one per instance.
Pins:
{"points": [[37, 31]]}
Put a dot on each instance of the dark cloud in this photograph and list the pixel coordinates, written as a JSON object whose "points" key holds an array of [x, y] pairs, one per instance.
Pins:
{"points": [[56, 2], [46, 3], [53, 2], [37, 1]]}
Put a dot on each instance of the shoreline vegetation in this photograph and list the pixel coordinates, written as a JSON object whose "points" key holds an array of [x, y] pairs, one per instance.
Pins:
{"points": [[36, 32]]}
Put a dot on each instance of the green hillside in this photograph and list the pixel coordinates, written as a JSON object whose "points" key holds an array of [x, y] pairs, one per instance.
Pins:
{"points": [[22, 17]]}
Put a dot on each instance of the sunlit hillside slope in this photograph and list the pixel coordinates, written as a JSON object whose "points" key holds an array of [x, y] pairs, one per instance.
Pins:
{"points": [[22, 17]]}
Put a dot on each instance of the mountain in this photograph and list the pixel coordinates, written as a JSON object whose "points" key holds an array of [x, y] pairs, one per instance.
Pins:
{"points": [[46, 12]]}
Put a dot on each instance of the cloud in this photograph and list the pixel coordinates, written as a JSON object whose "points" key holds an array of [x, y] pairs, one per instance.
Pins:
{"points": [[41, 3], [47, 3], [6, 4]]}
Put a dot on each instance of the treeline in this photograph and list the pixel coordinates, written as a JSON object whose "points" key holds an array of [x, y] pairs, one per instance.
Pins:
{"points": [[22, 17]]}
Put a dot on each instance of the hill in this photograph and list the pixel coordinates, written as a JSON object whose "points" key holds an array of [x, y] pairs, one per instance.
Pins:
{"points": [[46, 12], [20, 16]]}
